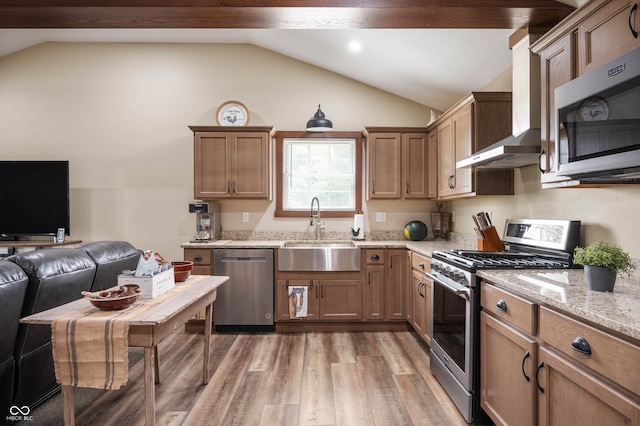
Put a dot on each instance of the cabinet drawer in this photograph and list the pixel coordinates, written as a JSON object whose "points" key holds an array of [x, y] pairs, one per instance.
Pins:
{"points": [[199, 257], [610, 356], [375, 256], [420, 262], [513, 309]]}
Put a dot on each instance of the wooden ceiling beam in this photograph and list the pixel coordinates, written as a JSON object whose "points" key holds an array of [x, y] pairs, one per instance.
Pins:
{"points": [[280, 14]]}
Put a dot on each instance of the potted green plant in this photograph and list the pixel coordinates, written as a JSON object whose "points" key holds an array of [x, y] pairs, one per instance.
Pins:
{"points": [[603, 262]]}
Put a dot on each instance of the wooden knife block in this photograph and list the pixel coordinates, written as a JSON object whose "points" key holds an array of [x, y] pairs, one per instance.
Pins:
{"points": [[491, 241]]}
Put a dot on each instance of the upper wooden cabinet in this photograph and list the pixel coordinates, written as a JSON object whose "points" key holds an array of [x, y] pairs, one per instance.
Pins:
{"points": [[397, 162], [474, 123], [598, 32], [231, 162]]}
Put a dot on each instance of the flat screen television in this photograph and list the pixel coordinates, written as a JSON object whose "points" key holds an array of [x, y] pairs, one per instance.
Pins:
{"points": [[34, 197]]}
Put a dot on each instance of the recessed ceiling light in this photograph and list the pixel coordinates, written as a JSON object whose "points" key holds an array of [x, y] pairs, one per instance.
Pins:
{"points": [[355, 46]]}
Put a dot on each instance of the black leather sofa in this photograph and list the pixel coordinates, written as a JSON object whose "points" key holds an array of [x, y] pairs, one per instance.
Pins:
{"points": [[50, 277]]}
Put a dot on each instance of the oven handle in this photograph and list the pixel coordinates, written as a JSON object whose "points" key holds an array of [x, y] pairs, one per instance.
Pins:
{"points": [[455, 288]]}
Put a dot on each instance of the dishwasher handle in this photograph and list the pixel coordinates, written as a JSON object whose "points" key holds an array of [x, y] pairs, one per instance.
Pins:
{"points": [[242, 259]]}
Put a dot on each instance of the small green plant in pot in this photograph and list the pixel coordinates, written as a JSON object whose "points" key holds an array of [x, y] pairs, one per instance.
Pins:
{"points": [[602, 263]]}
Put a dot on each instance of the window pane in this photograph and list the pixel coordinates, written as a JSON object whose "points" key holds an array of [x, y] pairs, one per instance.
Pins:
{"points": [[323, 168]]}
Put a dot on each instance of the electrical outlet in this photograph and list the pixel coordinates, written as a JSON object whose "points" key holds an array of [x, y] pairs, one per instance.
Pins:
{"points": [[245, 216], [381, 216], [453, 216]]}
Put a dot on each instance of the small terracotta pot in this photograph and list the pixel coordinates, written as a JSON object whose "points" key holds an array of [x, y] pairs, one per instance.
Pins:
{"points": [[599, 278]]}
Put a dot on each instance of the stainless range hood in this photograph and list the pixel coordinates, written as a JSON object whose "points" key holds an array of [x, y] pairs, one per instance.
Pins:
{"points": [[523, 147], [510, 153]]}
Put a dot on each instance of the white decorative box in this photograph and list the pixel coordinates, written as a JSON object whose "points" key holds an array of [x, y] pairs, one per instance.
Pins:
{"points": [[152, 286]]}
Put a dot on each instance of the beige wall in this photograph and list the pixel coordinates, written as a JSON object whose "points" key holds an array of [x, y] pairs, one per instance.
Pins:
{"points": [[119, 113]]}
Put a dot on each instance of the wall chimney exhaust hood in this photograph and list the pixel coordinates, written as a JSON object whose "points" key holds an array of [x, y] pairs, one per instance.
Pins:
{"points": [[523, 147], [509, 153]]}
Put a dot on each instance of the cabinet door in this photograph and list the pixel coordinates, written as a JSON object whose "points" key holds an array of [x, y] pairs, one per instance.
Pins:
{"points": [[415, 167], [374, 305], [394, 284], [250, 165], [433, 164], [607, 34], [419, 303], [507, 371], [446, 156], [212, 165], [558, 68], [463, 145], [408, 286], [284, 303], [340, 299], [568, 395], [385, 167]]}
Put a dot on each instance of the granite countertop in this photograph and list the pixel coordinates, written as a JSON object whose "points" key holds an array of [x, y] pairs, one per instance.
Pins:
{"points": [[567, 291], [422, 247]]}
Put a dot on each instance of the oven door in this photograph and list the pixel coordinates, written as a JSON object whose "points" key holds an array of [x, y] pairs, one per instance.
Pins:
{"points": [[451, 322]]}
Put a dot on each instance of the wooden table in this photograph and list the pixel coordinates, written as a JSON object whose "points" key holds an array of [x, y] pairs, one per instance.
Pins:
{"points": [[148, 330]]}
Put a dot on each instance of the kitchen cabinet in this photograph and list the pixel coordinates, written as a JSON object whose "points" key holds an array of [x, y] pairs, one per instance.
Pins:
{"points": [[397, 163], [433, 178], [231, 162], [375, 288], [421, 297], [507, 357], [395, 294], [582, 374], [607, 33], [201, 258], [329, 298], [594, 34], [385, 295], [477, 121]]}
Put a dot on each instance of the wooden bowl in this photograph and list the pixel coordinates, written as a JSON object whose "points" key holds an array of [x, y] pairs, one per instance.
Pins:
{"points": [[114, 298], [182, 270]]}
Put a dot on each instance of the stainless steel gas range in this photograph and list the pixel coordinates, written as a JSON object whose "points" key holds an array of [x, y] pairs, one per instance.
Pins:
{"points": [[455, 339]]}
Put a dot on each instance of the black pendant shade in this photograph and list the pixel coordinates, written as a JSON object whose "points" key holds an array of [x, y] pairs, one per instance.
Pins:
{"points": [[318, 123]]}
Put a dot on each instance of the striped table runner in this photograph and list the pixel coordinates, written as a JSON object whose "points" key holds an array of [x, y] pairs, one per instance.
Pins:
{"points": [[91, 347]]}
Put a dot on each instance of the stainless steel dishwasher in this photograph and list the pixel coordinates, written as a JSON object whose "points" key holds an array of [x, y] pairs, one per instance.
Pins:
{"points": [[245, 302]]}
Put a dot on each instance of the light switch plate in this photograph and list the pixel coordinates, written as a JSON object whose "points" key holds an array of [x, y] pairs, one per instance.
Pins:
{"points": [[381, 216], [245, 216]]}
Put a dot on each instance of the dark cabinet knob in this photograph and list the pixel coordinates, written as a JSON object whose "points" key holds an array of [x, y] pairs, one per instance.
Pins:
{"points": [[502, 305], [375, 257], [421, 265], [581, 345], [197, 258]]}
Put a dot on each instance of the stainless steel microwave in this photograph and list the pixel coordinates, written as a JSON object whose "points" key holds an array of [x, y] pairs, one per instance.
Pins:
{"points": [[598, 116]]}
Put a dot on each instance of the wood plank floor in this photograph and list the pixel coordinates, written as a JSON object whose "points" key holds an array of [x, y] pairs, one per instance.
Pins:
{"points": [[358, 378]]}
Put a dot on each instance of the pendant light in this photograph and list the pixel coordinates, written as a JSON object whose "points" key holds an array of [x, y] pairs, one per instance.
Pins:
{"points": [[318, 123]]}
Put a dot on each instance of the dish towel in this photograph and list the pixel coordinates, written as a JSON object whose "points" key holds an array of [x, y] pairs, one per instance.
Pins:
{"points": [[298, 301]]}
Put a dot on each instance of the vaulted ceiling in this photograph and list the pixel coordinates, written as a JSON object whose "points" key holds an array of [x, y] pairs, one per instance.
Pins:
{"points": [[429, 51]]}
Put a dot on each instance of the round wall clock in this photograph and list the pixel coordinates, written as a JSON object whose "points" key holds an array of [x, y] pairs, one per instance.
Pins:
{"points": [[232, 113], [594, 109]]}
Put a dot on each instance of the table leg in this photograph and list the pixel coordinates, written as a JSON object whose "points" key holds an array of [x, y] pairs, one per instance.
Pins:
{"points": [[157, 363], [68, 405], [207, 340], [149, 387]]}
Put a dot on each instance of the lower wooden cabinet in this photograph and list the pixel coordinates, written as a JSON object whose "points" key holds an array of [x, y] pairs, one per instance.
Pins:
{"points": [[507, 368], [202, 260], [328, 300], [421, 296], [569, 395], [569, 374]]}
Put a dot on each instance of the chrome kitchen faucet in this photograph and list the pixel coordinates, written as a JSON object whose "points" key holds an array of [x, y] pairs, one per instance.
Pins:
{"points": [[319, 227]]}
